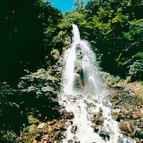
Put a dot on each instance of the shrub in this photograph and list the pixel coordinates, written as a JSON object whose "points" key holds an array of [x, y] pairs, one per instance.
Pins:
{"points": [[8, 137], [110, 79], [10, 121], [136, 70]]}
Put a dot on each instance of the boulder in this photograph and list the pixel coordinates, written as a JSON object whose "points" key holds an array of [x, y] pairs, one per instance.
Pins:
{"points": [[126, 127]]}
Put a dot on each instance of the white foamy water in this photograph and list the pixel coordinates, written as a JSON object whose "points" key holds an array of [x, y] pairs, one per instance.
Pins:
{"points": [[85, 95]]}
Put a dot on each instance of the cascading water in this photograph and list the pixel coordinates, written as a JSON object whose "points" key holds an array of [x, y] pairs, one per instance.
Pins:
{"points": [[80, 72], [84, 94]]}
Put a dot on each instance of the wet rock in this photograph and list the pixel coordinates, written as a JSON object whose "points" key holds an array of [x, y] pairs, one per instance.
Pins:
{"points": [[119, 117], [69, 115], [96, 129], [98, 121], [32, 128], [114, 116], [52, 122], [41, 126], [116, 110], [139, 140], [73, 129], [130, 114], [126, 127], [91, 105], [70, 141], [57, 141], [129, 127], [76, 140], [63, 128], [34, 141], [104, 135], [51, 140], [50, 129], [45, 138]]}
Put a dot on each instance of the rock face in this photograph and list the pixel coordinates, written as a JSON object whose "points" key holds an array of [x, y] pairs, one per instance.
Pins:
{"points": [[127, 110]]}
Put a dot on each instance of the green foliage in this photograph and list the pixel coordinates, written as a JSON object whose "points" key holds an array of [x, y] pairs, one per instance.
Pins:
{"points": [[110, 79], [117, 32], [27, 28], [65, 24], [78, 4], [9, 106], [34, 30], [10, 119], [136, 70], [74, 17], [8, 137], [32, 120], [33, 101], [55, 53]]}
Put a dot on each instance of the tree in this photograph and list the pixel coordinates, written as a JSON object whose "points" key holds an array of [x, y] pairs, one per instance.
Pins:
{"points": [[78, 4], [23, 43], [116, 35]]}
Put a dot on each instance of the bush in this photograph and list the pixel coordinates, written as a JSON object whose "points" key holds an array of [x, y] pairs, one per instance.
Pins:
{"points": [[110, 79], [10, 120], [9, 105], [8, 137], [136, 70], [33, 101]]}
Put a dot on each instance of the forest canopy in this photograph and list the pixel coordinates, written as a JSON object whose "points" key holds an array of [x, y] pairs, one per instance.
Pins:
{"points": [[27, 28]]}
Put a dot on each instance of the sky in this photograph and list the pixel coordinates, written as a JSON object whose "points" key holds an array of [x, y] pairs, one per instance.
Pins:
{"points": [[63, 5]]}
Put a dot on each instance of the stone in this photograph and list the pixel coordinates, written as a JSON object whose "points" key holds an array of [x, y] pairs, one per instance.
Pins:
{"points": [[57, 141], [41, 126], [96, 129], [69, 115], [139, 141], [50, 129], [70, 141], [126, 127], [114, 116], [104, 135], [34, 141], [98, 121], [129, 127], [32, 127], [52, 122], [122, 127], [142, 111], [74, 129], [45, 137], [51, 140]]}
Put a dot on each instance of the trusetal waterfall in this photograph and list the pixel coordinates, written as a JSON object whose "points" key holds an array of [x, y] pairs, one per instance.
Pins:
{"points": [[84, 94]]}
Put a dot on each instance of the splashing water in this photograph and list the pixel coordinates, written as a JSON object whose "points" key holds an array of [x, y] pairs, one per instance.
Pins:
{"points": [[80, 72], [85, 94]]}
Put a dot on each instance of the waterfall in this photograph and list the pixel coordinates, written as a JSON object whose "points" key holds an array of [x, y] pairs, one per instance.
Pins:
{"points": [[84, 94], [80, 72]]}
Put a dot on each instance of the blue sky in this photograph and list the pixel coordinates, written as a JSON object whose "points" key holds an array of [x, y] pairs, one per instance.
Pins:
{"points": [[63, 5]]}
